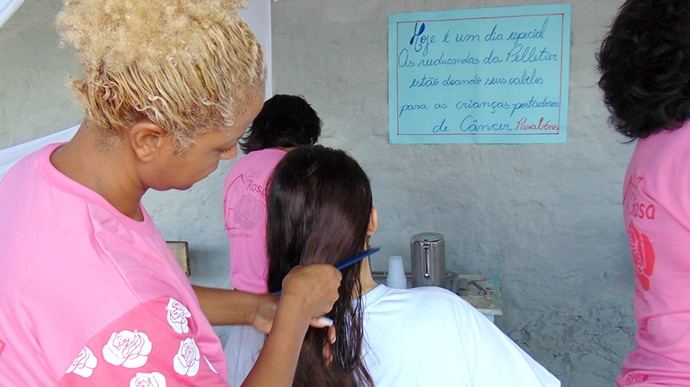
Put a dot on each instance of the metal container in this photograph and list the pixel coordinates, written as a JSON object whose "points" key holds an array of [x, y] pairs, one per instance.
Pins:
{"points": [[428, 259]]}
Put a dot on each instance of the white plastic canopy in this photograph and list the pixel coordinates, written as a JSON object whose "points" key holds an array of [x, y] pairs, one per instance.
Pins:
{"points": [[7, 8]]}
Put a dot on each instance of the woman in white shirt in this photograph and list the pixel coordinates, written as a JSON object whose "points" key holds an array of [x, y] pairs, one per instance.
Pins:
{"points": [[320, 211]]}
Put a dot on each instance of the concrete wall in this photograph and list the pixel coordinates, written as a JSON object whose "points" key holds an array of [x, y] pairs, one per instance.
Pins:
{"points": [[33, 73], [545, 217]]}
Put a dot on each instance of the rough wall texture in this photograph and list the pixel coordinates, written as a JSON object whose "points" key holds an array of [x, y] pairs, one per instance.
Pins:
{"points": [[546, 218]]}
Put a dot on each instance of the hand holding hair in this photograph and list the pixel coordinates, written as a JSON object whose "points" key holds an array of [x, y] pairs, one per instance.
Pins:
{"points": [[314, 286]]}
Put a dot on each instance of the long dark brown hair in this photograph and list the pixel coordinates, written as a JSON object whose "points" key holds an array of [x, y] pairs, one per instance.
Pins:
{"points": [[319, 205]]}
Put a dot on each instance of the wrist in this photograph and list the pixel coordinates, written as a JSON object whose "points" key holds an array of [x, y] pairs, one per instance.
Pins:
{"points": [[296, 305]]}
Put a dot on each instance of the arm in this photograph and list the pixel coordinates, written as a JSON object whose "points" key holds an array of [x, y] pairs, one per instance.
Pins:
{"points": [[234, 307], [308, 292], [151, 344]]}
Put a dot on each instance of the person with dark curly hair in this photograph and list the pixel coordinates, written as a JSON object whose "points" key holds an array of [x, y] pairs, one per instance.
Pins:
{"points": [[644, 63], [284, 123]]}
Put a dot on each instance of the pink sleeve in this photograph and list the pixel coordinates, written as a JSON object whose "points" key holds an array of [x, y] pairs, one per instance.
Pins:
{"points": [[151, 345]]}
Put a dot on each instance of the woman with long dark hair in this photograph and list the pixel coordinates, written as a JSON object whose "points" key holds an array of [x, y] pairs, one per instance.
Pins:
{"points": [[320, 211]]}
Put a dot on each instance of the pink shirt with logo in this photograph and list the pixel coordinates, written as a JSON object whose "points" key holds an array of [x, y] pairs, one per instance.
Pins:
{"points": [[244, 208], [90, 296], [656, 204]]}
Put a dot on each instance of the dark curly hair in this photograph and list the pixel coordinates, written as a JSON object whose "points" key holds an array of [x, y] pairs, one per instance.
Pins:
{"points": [[285, 121], [644, 63], [319, 204]]}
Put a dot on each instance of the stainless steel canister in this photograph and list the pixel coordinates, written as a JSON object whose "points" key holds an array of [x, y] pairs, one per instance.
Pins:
{"points": [[428, 259]]}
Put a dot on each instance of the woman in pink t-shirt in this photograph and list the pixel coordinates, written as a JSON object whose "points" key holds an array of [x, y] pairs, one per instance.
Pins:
{"points": [[89, 292], [284, 123], [645, 76]]}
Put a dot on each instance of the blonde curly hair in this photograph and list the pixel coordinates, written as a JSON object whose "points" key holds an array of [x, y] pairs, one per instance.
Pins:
{"points": [[188, 66]]}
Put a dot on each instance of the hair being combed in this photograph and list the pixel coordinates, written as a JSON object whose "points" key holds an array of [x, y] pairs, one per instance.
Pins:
{"points": [[644, 63], [187, 66], [319, 205]]}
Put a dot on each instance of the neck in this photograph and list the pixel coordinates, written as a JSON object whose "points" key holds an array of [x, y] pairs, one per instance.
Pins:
{"points": [[108, 172], [365, 277]]}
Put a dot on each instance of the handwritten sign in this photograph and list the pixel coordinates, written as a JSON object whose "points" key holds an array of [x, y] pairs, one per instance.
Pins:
{"points": [[491, 75]]}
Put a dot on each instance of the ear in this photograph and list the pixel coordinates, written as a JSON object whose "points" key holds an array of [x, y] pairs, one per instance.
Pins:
{"points": [[147, 139], [373, 222]]}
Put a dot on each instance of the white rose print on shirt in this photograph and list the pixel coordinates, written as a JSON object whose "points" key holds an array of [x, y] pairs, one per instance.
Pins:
{"points": [[128, 349], [177, 316], [154, 379], [84, 364], [186, 361]]}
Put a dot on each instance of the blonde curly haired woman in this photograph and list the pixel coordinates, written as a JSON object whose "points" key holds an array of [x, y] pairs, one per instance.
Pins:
{"points": [[91, 294]]}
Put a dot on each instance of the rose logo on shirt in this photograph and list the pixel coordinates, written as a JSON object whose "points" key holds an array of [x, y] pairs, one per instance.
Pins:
{"points": [[154, 379], [128, 349], [186, 362], [249, 212], [177, 316], [643, 255], [84, 364]]}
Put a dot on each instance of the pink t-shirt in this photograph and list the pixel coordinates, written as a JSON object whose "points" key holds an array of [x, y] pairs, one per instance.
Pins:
{"points": [[244, 208], [151, 345], [75, 270], [656, 204]]}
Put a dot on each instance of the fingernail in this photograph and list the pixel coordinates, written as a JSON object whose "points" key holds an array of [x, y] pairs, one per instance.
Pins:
{"points": [[325, 320]]}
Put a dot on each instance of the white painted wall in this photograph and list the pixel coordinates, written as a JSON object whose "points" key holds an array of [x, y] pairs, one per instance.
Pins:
{"points": [[545, 217]]}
